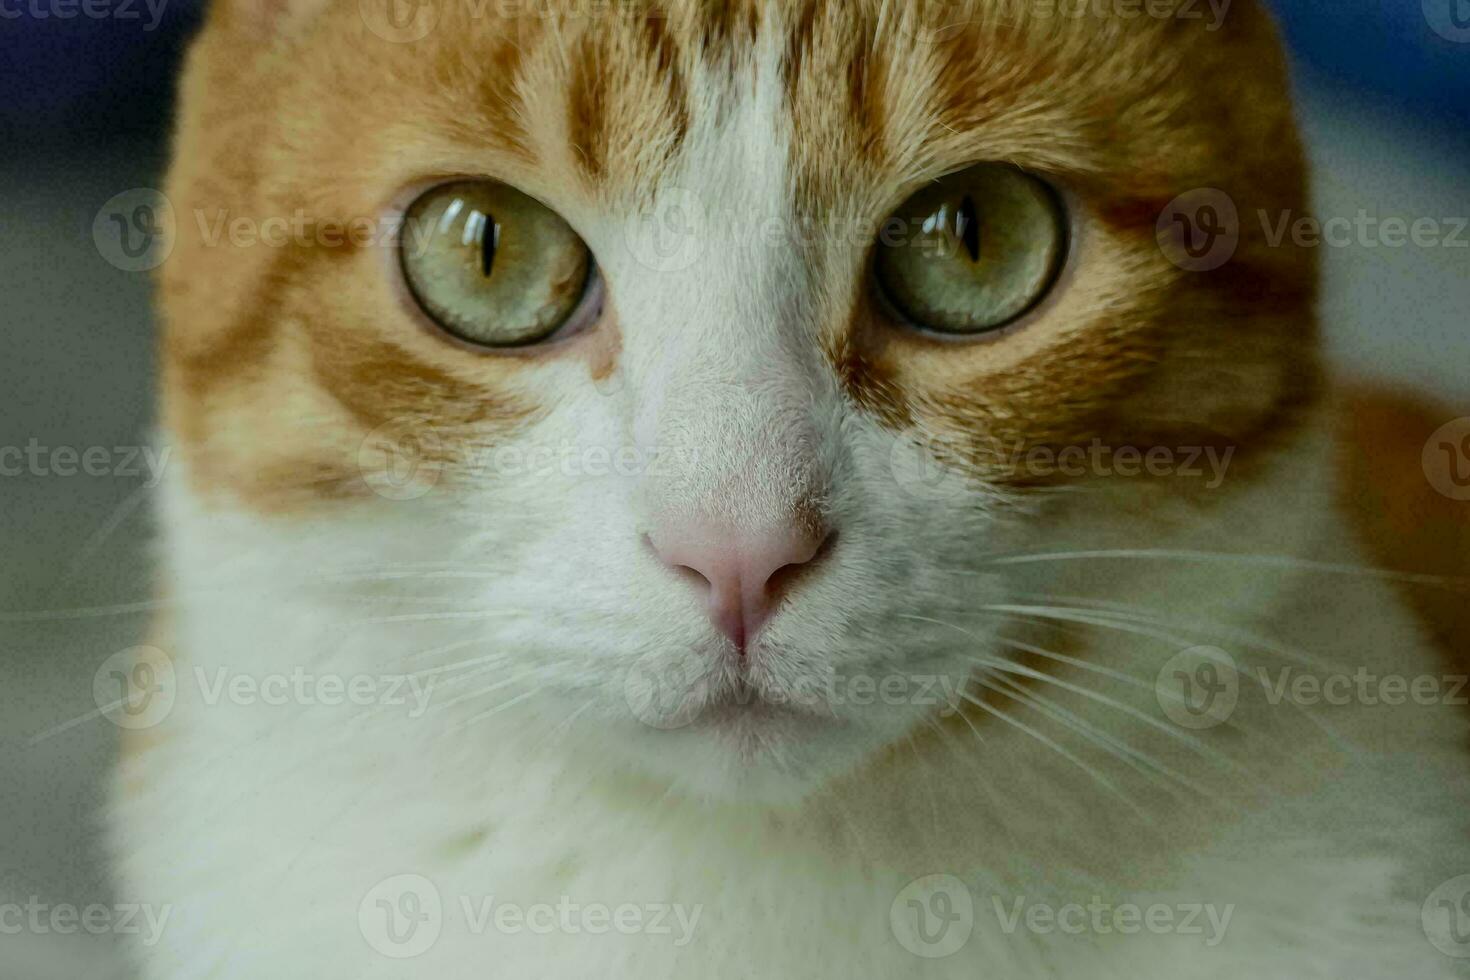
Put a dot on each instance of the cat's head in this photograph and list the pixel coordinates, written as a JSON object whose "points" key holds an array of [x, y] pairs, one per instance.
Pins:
{"points": [[692, 362]]}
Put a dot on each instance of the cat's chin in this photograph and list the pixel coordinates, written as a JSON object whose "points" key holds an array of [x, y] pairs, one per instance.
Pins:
{"points": [[760, 754]]}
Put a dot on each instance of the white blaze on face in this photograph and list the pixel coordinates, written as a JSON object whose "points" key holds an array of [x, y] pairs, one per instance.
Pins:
{"points": [[720, 352]]}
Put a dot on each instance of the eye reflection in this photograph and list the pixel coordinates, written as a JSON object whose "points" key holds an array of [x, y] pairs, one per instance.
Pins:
{"points": [[989, 244]]}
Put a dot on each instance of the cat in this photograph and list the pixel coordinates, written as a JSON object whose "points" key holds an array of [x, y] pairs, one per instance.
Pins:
{"points": [[788, 488]]}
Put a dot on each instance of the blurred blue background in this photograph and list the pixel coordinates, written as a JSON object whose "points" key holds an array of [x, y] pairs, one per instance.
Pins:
{"points": [[1386, 51], [93, 80]]}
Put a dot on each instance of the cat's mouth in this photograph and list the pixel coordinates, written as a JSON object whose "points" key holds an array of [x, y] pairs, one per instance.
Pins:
{"points": [[754, 724], [733, 701], [743, 700]]}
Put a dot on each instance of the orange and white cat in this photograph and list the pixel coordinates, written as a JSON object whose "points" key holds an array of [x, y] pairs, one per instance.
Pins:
{"points": [[767, 489]]}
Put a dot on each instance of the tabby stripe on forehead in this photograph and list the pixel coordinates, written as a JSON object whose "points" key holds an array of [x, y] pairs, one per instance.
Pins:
{"points": [[664, 51], [594, 89], [586, 102], [832, 51], [727, 25], [500, 101], [985, 75], [867, 80]]}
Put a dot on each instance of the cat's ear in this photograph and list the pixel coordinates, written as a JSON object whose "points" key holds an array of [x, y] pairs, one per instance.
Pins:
{"points": [[266, 19]]}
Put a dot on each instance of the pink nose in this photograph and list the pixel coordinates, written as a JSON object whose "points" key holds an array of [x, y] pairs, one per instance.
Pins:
{"points": [[743, 576]]}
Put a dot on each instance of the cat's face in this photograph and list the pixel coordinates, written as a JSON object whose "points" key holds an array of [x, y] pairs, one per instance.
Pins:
{"points": [[727, 502]]}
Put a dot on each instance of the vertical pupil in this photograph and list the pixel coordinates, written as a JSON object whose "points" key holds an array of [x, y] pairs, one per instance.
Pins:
{"points": [[967, 227], [489, 245]]}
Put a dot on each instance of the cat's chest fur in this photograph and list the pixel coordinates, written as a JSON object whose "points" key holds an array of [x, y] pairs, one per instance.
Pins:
{"points": [[369, 845]]}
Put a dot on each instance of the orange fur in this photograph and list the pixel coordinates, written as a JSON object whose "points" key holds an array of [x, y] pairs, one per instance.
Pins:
{"points": [[1406, 524]]}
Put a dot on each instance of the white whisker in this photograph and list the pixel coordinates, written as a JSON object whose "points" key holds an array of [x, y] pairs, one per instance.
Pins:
{"points": [[1267, 561], [1096, 776], [1147, 766]]}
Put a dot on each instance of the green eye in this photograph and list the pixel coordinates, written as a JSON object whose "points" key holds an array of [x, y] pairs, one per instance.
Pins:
{"points": [[974, 251], [492, 266]]}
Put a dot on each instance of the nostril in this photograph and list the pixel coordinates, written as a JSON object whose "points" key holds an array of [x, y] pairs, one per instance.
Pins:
{"points": [[692, 575], [688, 558], [786, 578], [676, 561]]}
